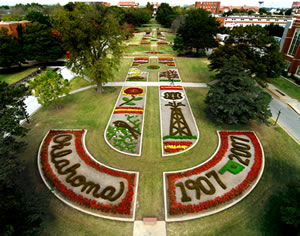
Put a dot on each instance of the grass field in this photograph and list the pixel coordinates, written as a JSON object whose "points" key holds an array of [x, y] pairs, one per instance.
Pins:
{"points": [[287, 87], [194, 69], [13, 77], [92, 111]]}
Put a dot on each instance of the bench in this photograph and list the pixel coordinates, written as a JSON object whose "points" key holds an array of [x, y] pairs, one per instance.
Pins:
{"points": [[149, 220]]}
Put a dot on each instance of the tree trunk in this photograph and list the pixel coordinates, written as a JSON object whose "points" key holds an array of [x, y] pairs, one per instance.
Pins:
{"points": [[100, 88]]}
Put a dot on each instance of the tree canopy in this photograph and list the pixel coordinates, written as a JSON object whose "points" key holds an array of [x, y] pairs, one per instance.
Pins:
{"points": [[235, 99], [197, 32], [10, 50], [255, 48], [49, 87], [274, 30], [93, 37], [166, 14]]}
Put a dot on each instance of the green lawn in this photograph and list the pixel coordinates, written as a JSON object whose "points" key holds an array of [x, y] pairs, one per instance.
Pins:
{"points": [[287, 87], [13, 77], [194, 69], [79, 82], [166, 50], [92, 111], [137, 49]]}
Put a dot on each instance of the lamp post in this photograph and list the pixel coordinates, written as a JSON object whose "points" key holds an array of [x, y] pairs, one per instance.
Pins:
{"points": [[279, 112]]}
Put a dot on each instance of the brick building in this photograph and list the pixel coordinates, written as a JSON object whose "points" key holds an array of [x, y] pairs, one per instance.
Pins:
{"points": [[12, 26], [296, 5], [213, 7], [290, 45], [128, 4]]}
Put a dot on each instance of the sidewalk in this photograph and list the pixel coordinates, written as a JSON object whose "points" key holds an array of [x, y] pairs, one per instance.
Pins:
{"points": [[293, 103]]}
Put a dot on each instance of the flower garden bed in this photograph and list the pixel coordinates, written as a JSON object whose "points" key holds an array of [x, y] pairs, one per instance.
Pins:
{"points": [[83, 183], [169, 75], [135, 74], [179, 131], [225, 179], [163, 43], [153, 67], [167, 61], [124, 131], [140, 61]]}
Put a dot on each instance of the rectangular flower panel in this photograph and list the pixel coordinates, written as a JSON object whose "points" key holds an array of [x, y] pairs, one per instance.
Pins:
{"points": [[169, 75], [167, 61], [80, 181], [135, 74], [140, 61], [124, 131], [179, 131], [219, 183]]}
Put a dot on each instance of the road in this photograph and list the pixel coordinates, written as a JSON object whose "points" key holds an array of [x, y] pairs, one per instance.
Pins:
{"points": [[288, 118]]}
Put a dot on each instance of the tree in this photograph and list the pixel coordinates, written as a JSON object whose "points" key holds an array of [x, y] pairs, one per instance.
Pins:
{"points": [[36, 16], [10, 50], [235, 99], [150, 7], [40, 44], [274, 30], [94, 38], [256, 49], [49, 87], [165, 15], [197, 32], [137, 16], [288, 12], [262, 11]]}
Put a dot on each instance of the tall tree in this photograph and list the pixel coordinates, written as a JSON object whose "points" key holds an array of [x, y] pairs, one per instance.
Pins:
{"points": [[40, 44], [10, 50], [235, 98], [49, 87], [274, 30], [165, 15], [256, 49], [36, 16], [197, 32], [93, 37]]}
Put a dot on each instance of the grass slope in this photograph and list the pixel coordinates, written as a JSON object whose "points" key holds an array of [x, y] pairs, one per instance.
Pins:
{"points": [[287, 87], [13, 77]]}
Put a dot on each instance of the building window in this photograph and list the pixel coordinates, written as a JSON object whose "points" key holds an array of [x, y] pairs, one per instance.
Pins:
{"points": [[295, 43], [298, 71]]}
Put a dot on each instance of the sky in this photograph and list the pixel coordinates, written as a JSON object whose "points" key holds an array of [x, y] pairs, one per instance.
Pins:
{"points": [[267, 3]]}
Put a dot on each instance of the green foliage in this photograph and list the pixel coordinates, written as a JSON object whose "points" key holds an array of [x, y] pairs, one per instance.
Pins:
{"points": [[197, 32], [274, 30], [49, 87], [235, 98], [262, 11], [138, 16], [94, 38], [12, 111], [36, 16], [290, 207], [12, 17], [39, 44], [255, 48], [10, 50], [165, 15], [288, 12]]}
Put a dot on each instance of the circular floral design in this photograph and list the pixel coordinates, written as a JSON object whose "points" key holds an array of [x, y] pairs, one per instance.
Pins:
{"points": [[153, 67], [133, 91]]}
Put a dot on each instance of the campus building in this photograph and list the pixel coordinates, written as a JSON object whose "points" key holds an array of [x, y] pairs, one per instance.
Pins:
{"points": [[244, 7], [128, 4], [244, 20], [12, 26], [290, 45], [296, 5], [213, 7]]}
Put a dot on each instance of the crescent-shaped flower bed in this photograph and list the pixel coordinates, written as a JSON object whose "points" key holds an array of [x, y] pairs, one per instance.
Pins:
{"points": [[179, 131], [83, 183], [124, 131], [169, 75], [225, 179]]}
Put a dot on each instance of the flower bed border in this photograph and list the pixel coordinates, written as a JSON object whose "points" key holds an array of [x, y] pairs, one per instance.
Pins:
{"points": [[214, 158], [160, 117], [92, 160]]}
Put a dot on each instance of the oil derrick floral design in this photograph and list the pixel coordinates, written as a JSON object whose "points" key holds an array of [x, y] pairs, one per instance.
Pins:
{"points": [[124, 131], [179, 130], [219, 183]]}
